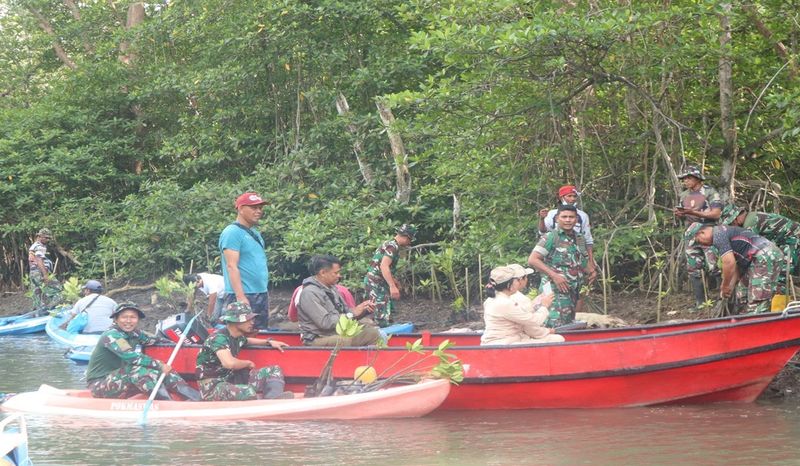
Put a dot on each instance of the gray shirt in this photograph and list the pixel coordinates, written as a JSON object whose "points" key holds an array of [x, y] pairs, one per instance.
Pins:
{"points": [[318, 309], [99, 312]]}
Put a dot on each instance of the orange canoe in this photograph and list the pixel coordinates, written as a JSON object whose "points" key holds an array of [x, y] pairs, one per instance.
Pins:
{"points": [[396, 402]]}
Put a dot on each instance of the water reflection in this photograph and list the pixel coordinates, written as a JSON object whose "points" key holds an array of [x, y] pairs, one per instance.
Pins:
{"points": [[712, 434]]}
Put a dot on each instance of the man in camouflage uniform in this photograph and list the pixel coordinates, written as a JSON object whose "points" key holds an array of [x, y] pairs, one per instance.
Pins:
{"points": [[380, 285], [222, 376], [46, 289], [562, 258], [118, 369], [698, 203], [753, 260], [782, 231]]}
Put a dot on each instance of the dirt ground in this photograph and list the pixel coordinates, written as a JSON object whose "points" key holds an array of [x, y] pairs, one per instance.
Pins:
{"points": [[632, 308]]}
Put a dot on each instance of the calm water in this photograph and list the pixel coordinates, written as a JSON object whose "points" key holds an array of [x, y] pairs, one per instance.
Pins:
{"points": [[714, 434]]}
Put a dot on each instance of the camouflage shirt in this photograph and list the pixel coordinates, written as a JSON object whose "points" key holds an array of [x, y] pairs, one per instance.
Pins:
{"points": [[117, 348], [563, 251], [705, 198], [776, 228], [208, 363], [389, 249]]}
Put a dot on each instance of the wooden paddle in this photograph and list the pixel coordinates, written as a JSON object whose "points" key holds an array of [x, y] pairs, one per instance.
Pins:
{"points": [[143, 418]]}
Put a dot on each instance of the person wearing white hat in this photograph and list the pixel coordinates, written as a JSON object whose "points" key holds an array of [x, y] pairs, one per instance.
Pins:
{"points": [[511, 317]]}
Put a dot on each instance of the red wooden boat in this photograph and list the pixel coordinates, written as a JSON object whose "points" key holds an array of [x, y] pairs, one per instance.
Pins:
{"points": [[725, 359]]}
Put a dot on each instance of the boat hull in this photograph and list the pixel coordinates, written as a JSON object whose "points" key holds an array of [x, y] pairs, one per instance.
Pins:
{"points": [[14, 441], [67, 339], [25, 326], [731, 359], [396, 402]]}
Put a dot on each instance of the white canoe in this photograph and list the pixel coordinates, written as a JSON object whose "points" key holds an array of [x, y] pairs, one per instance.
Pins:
{"points": [[396, 402], [14, 441]]}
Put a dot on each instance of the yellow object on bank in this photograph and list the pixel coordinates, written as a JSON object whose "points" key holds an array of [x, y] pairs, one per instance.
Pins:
{"points": [[778, 303], [365, 374]]}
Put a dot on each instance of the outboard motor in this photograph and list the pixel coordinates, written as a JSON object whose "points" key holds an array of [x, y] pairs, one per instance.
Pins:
{"points": [[174, 328]]}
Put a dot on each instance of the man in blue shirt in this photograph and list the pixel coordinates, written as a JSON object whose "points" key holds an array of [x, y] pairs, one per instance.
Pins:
{"points": [[244, 261]]}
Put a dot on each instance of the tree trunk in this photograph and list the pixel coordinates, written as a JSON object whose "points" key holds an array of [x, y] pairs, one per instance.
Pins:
{"points": [[662, 150], [135, 18], [344, 111], [727, 120], [403, 181]]}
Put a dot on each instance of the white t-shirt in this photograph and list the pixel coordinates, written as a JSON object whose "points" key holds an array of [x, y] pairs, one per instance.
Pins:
{"points": [[99, 312], [212, 283]]}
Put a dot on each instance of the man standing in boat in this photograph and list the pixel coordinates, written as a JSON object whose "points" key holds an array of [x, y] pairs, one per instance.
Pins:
{"points": [[380, 286], [746, 257], [222, 376], [698, 203], [46, 289], [320, 305], [562, 258], [244, 261], [119, 369]]}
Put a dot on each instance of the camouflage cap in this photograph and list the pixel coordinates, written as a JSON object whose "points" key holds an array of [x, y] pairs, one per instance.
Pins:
{"points": [[124, 307], [45, 233], [691, 232], [692, 170], [237, 312], [407, 230], [729, 214]]}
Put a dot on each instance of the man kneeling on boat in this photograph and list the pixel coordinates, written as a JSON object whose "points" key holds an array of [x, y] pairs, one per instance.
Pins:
{"points": [[321, 304], [222, 376], [510, 316], [118, 369]]}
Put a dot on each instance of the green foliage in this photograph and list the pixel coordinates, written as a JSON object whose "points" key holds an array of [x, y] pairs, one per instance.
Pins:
{"points": [[135, 163], [347, 327], [174, 291], [71, 290]]}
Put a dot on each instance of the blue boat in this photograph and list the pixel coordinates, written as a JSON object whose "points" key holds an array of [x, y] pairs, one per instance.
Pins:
{"points": [[69, 340], [79, 354], [24, 324], [14, 441]]}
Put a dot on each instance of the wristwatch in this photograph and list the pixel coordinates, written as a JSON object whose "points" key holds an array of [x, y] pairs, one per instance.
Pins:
{"points": [[349, 315]]}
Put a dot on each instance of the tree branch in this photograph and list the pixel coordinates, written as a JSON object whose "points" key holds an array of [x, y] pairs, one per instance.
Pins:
{"points": [[48, 28]]}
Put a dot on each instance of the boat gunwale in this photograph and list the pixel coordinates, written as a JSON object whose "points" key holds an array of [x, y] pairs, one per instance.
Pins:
{"points": [[725, 322]]}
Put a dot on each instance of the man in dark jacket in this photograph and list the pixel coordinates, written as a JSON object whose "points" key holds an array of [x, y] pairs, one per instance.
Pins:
{"points": [[321, 304]]}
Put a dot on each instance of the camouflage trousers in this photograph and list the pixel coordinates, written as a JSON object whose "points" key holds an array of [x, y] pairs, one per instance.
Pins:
{"points": [[130, 380], [379, 292], [759, 282], [699, 257], [243, 385], [45, 294], [562, 311]]}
